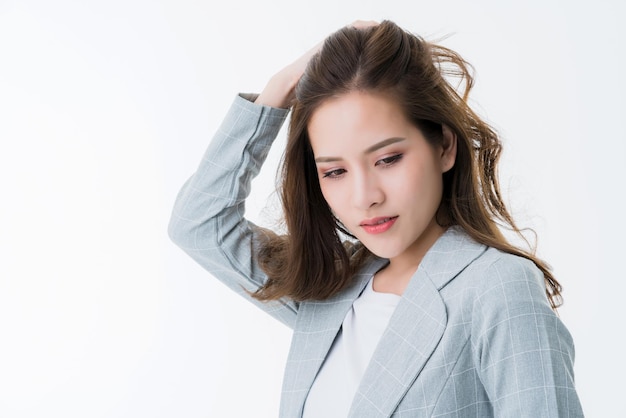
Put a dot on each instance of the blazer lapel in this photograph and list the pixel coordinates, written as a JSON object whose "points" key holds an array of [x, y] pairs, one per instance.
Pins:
{"points": [[415, 328], [316, 328]]}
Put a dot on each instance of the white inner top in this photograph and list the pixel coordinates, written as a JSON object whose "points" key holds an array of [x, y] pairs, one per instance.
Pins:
{"points": [[337, 381]]}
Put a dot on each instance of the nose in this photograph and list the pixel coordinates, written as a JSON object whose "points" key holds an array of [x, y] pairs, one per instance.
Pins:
{"points": [[366, 190]]}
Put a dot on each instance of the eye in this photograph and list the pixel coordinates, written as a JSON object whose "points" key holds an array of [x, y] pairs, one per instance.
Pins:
{"points": [[388, 161], [333, 174]]}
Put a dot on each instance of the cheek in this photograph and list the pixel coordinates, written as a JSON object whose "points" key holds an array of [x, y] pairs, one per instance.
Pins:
{"points": [[329, 196], [335, 199], [423, 183]]}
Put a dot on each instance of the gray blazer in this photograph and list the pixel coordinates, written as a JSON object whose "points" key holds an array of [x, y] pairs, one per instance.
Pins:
{"points": [[473, 335]]}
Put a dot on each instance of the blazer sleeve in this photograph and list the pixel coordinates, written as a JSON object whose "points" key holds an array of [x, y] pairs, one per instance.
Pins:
{"points": [[524, 352], [208, 220]]}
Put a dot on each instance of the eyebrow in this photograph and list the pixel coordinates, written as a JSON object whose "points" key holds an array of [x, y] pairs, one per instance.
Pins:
{"points": [[369, 150]]}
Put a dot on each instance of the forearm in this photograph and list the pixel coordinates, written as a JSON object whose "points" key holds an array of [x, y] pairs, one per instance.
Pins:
{"points": [[208, 217]]}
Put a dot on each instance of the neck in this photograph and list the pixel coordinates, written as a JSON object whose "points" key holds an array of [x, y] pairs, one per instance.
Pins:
{"points": [[396, 276]]}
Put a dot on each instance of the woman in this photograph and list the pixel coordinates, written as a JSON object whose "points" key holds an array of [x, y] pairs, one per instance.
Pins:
{"points": [[404, 296]]}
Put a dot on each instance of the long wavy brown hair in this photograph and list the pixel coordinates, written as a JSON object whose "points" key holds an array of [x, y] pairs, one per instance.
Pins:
{"points": [[312, 260]]}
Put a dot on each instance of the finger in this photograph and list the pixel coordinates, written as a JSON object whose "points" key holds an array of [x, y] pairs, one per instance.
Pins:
{"points": [[362, 24]]}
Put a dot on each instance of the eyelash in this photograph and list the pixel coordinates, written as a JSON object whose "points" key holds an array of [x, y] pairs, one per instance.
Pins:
{"points": [[384, 162], [388, 161], [333, 174]]}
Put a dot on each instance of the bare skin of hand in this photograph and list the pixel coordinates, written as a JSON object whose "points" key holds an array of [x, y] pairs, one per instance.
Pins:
{"points": [[279, 91]]}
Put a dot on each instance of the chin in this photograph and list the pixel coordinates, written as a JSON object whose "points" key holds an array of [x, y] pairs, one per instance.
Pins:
{"points": [[382, 250]]}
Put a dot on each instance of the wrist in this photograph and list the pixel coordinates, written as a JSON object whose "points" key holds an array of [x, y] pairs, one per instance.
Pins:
{"points": [[279, 91]]}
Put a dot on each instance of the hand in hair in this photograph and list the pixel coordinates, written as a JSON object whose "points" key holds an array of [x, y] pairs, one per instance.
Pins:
{"points": [[279, 91]]}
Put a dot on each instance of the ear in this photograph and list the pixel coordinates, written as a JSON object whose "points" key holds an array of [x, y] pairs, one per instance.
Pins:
{"points": [[448, 149]]}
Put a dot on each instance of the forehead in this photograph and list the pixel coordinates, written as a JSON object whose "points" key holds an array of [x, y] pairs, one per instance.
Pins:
{"points": [[356, 119]]}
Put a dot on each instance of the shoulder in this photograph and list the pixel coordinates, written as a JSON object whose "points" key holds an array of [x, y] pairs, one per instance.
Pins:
{"points": [[503, 278], [499, 289], [458, 263], [496, 269], [509, 302]]}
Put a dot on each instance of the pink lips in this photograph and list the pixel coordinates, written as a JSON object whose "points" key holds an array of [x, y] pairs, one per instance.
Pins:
{"points": [[378, 225]]}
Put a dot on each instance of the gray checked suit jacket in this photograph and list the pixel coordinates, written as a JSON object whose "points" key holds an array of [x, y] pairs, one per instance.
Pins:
{"points": [[473, 335]]}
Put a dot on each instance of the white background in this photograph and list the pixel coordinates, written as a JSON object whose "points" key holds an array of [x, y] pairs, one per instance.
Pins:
{"points": [[105, 110]]}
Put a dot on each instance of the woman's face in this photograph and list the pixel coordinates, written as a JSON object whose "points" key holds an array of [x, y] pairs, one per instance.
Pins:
{"points": [[379, 175]]}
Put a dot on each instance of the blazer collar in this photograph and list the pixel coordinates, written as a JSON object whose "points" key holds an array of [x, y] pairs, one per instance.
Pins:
{"points": [[316, 327], [413, 333], [416, 326], [450, 255]]}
